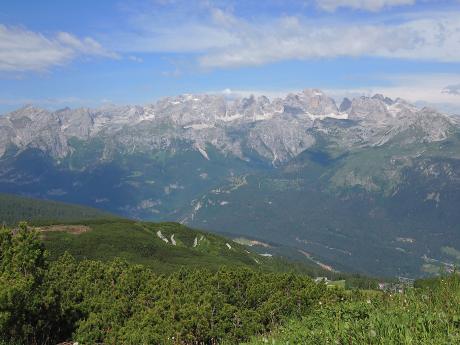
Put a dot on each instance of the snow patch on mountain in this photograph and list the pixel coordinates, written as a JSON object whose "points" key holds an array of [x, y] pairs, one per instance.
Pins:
{"points": [[162, 237]]}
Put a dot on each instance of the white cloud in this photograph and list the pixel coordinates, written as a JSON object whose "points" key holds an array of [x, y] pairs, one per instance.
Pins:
{"points": [[175, 73], [221, 40], [135, 59], [24, 50], [421, 89], [452, 89], [292, 38], [367, 5]]}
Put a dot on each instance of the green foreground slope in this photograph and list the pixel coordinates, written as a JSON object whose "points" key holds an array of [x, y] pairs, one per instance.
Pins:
{"points": [[163, 247], [47, 302], [425, 315], [145, 243], [93, 302]]}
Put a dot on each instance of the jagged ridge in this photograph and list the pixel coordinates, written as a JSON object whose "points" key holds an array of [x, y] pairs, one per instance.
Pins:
{"points": [[276, 130]]}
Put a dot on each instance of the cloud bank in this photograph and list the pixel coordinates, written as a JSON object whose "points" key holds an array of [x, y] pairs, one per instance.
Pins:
{"points": [[452, 89], [220, 39], [422, 89], [22, 50]]}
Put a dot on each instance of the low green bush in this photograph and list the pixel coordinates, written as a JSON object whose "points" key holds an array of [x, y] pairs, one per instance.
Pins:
{"points": [[428, 315]]}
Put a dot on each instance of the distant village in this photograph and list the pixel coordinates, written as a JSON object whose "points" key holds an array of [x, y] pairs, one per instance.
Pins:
{"points": [[399, 286]]}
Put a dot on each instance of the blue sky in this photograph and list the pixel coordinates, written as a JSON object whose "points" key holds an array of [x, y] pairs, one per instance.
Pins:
{"points": [[88, 53]]}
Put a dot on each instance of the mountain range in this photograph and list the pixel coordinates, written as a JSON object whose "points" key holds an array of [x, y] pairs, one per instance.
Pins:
{"points": [[370, 185]]}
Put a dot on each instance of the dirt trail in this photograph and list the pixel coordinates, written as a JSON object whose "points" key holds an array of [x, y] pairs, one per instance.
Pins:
{"points": [[71, 229]]}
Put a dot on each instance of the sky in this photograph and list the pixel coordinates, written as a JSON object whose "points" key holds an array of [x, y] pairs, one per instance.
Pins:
{"points": [[57, 53]]}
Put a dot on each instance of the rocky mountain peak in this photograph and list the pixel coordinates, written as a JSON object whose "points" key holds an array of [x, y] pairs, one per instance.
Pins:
{"points": [[276, 129], [317, 103], [382, 98], [345, 105], [369, 109]]}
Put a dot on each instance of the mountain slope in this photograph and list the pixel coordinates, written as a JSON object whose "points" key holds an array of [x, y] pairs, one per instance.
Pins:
{"points": [[376, 211], [89, 233], [164, 247], [375, 179], [14, 209]]}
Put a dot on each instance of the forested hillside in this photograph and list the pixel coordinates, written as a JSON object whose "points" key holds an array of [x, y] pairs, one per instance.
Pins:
{"points": [[16, 208], [163, 247]]}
